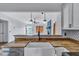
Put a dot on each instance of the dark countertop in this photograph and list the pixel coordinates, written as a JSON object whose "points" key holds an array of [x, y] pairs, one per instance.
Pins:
{"points": [[70, 54], [41, 36], [2, 43]]}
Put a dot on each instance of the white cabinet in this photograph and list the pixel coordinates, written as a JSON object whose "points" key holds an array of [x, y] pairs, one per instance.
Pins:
{"points": [[71, 16], [67, 16], [12, 51], [76, 15]]}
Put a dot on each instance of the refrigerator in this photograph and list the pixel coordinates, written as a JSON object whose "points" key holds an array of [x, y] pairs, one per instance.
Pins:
{"points": [[4, 31]]}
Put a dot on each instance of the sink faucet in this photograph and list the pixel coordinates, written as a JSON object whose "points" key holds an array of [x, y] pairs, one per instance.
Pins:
{"points": [[39, 35]]}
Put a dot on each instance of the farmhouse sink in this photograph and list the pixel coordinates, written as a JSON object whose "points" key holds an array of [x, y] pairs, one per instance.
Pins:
{"points": [[39, 49]]}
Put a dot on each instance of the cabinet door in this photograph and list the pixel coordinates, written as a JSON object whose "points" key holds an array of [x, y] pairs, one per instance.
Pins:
{"points": [[0, 32], [76, 15], [66, 16], [1, 37]]}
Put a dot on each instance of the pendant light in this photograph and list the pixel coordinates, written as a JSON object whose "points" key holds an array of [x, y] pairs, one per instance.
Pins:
{"points": [[44, 16], [31, 17]]}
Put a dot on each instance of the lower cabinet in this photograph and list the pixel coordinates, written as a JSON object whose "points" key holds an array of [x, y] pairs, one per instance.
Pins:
{"points": [[13, 51]]}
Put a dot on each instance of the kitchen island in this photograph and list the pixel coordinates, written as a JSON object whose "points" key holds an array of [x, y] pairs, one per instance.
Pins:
{"points": [[57, 41], [14, 48], [28, 49], [54, 40]]}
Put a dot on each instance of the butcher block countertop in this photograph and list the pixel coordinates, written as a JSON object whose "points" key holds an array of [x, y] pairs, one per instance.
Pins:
{"points": [[15, 45], [61, 41], [72, 46]]}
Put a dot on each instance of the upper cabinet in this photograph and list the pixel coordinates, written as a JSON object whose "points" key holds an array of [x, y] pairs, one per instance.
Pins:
{"points": [[71, 16], [67, 16], [76, 15]]}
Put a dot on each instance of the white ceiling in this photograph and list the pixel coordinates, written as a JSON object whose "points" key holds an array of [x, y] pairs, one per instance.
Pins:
{"points": [[26, 16], [20, 11], [25, 7]]}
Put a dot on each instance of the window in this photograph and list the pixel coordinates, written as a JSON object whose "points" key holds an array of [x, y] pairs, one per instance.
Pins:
{"points": [[29, 29]]}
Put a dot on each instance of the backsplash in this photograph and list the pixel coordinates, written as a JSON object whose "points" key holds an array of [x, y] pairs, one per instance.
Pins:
{"points": [[71, 34]]}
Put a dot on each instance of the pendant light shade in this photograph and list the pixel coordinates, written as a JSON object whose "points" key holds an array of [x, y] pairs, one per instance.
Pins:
{"points": [[34, 20], [44, 16], [31, 17]]}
